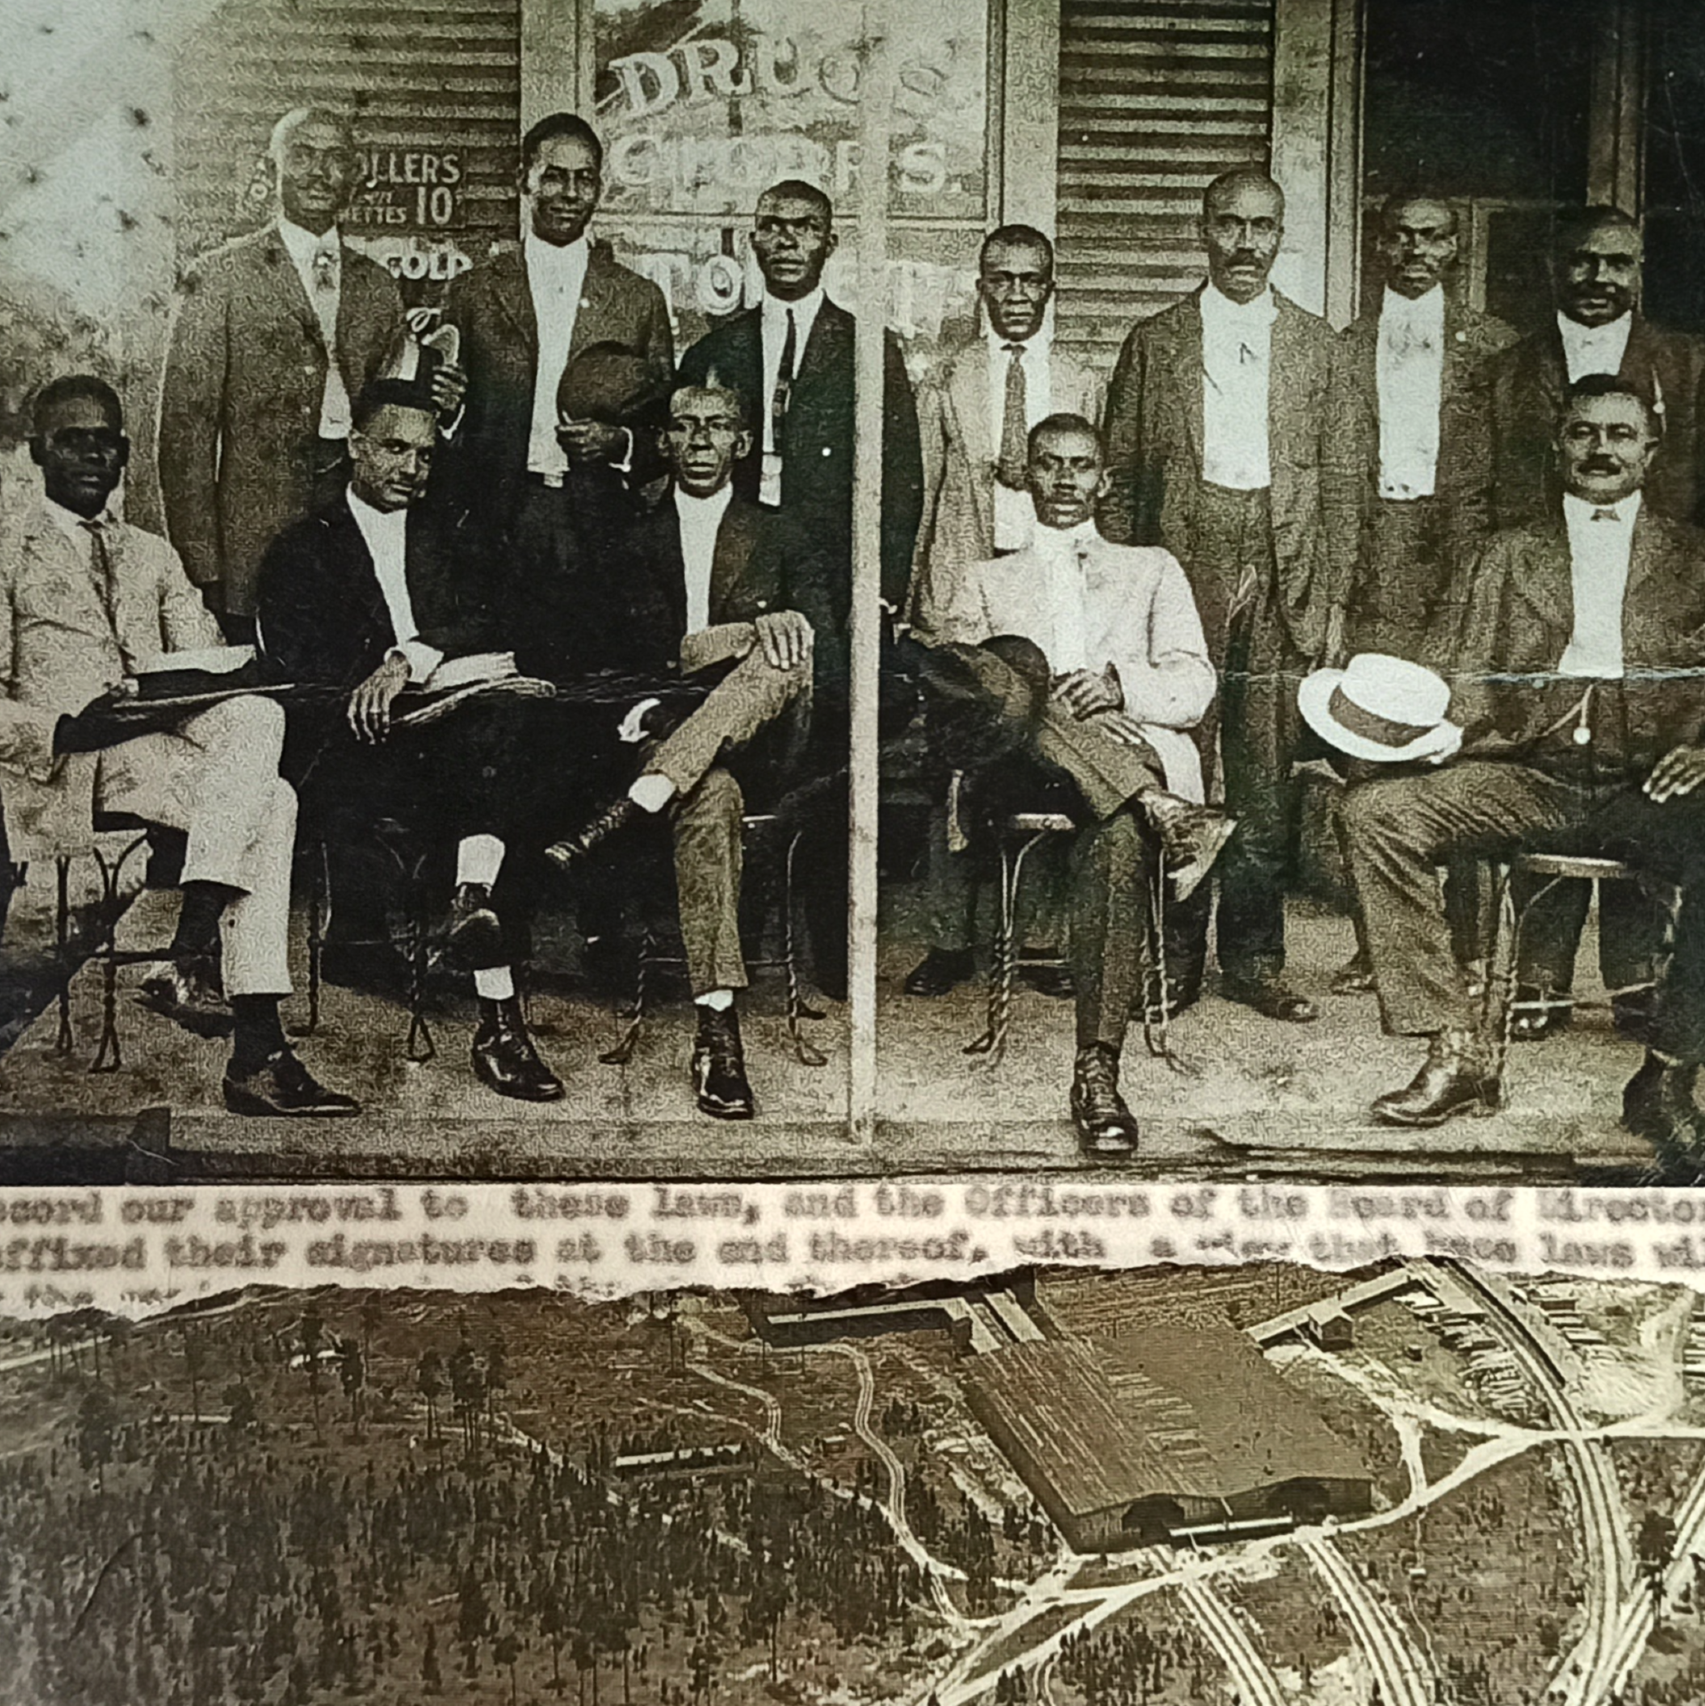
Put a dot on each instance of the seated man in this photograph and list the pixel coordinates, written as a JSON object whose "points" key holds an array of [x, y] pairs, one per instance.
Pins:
{"points": [[363, 596], [701, 583], [88, 600], [1577, 682], [1129, 678]]}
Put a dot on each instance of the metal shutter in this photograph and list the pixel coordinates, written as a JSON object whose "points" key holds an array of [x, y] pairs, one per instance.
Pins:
{"points": [[1157, 97]]}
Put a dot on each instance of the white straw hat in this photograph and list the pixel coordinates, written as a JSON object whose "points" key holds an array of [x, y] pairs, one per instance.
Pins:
{"points": [[1382, 709]]}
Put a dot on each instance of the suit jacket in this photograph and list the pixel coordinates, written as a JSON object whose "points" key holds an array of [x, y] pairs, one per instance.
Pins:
{"points": [[817, 467], [1515, 457], [323, 616], [959, 458], [1139, 615], [240, 399], [1154, 431], [1349, 488], [57, 653], [492, 305], [1517, 619]]}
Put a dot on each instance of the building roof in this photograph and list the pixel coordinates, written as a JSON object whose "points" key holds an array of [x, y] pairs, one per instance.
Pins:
{"points": [[1176, 1410]]}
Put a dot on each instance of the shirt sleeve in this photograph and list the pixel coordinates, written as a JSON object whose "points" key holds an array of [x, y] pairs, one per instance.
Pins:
{"points": [[421, 659]]}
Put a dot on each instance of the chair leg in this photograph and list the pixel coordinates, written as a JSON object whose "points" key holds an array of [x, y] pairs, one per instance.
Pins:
{"points": [[109, 1056], [418, 1045], [623, 1052], [319, 882], [1004, 970], [1157, 1016], [63, 1042], [807, 1054], [1501, 978]]}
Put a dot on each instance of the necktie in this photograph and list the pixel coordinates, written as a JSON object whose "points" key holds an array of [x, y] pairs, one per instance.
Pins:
{"points": [[1014, 426], [106, 583], [325, 269], [784, 383]]}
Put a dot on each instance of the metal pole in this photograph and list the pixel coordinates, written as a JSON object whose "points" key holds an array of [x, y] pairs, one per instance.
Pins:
{"points": [[875, 109]]}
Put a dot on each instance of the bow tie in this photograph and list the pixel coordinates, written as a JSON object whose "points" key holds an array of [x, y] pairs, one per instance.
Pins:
{"points": [[1604, 515]]}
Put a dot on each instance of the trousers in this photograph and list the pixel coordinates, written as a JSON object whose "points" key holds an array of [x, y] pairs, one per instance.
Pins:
{"points": [[1399, 830]]}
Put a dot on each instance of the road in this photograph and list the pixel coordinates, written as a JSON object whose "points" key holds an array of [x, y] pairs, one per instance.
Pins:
{"points": [[1586, 1671], [1398, 1671]]}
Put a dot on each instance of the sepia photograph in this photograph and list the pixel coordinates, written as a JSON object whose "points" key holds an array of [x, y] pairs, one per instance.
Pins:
{"points": [[739, 587], [1414, 1485]]}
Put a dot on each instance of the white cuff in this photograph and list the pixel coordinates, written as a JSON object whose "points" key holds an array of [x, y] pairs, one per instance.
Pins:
{"points": [[421, 659], [625, 460]]}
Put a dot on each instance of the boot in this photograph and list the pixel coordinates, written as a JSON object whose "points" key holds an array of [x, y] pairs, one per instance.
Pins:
{"points": [[1191, 837], [941, 970], [505, 1059], [281, 1086], [1658, 1105], [187, 991], [719, 1066], [616, 816], [1105, 1125], [1456, 1078], [1354, 976]]}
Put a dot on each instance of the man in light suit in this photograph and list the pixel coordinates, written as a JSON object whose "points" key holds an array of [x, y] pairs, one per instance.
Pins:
{"points": [[88, 601], [1216, 419], [700, 584], [1576, 679], [975, 413], [523, 315], [272, 337], [1125, 678], [1596, 274], [1402, 498]]}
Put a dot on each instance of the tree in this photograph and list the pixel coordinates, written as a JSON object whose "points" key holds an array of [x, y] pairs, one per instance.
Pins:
{"points": [[430, 1674], [240, 1401], [352, 1373], [429, 1383], [97, 1421], [506, 1651]]}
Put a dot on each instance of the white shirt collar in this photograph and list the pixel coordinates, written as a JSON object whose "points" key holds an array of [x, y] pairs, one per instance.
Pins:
{"points": [[73, 525], [1064, 541], [804, 313], [304, 245], [371, 519], [1036, 344], [1424, 312], [1581, 509], [689, 505], [1594, 349], [564, 258], [1260, 311]]}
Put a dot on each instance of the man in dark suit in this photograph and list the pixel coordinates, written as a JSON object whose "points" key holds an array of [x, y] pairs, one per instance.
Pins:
{"points": [[791, 359], [1577, 682], [1595, 269], [700, 585], [524, 314], [1216, 418], [1401, 498], [364, 597], [272, 337]]}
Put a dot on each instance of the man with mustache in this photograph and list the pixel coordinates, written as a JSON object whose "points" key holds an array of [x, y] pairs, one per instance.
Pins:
{"points": [[1596, 275], [1577, 682], [273, 336], [1216, 417]]}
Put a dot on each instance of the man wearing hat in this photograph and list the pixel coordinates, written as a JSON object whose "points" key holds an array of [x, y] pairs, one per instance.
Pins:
{"points": [[1577, 682], [370, 596], [1121, 678], [1596, 263], [524, 314], [706, 582], [272, 336]]}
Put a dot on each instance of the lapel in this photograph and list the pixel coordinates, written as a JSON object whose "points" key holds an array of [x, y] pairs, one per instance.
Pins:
{"points": [[1460, 350], [1546, 583], [734, 542], [349, 547], [1640, 360], [831, 337], [513, 296], [1018, 585], [1546, 369], [668, 561], [279, 273], [1188, 373], [1285, 371], [1654, 606], [968, 391], [1107, 586], [599, 292]]}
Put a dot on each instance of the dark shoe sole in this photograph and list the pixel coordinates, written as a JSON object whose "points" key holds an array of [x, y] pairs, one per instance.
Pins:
{"points": [[1481, 1109], [552, 1092], [724, 1110], [240, 1101], [1106, 1149]]}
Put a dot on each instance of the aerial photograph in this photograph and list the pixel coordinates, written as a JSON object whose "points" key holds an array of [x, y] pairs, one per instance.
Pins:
{"points": [[1415, 1485]]}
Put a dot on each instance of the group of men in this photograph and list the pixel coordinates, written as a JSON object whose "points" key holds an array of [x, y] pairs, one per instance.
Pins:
{"points": [[1126, 585]]}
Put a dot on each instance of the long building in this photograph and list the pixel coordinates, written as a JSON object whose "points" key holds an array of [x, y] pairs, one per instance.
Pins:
{"points": [[1128, 1441]]}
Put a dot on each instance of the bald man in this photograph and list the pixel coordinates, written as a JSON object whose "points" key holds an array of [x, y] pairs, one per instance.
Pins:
{"points": [[1216, 416], [272, 337]]}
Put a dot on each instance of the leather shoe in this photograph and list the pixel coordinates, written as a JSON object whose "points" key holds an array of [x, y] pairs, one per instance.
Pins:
{"points": [[1536, 1013], [719, 1067], [1191, 837], [1272, 1000], [505, 1059], [474, 939], [187, 992], [282, 1086], [1658, 1105], [1354, 977], [1105, 1126], [1056, 982], [616, 816], [941, 970], [1454, 1079]]}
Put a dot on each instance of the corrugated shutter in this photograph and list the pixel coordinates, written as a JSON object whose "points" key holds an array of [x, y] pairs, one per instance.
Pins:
{"points": [[429, 76], [1157, 97]]}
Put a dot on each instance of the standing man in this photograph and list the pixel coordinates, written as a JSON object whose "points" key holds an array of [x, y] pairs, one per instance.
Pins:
{"points": [[524, 313], [1122, 677], [975, 413], [87, 600], [272, 336], [1216, 416], [1595, 269], [1577, 684], [791, 359]]}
